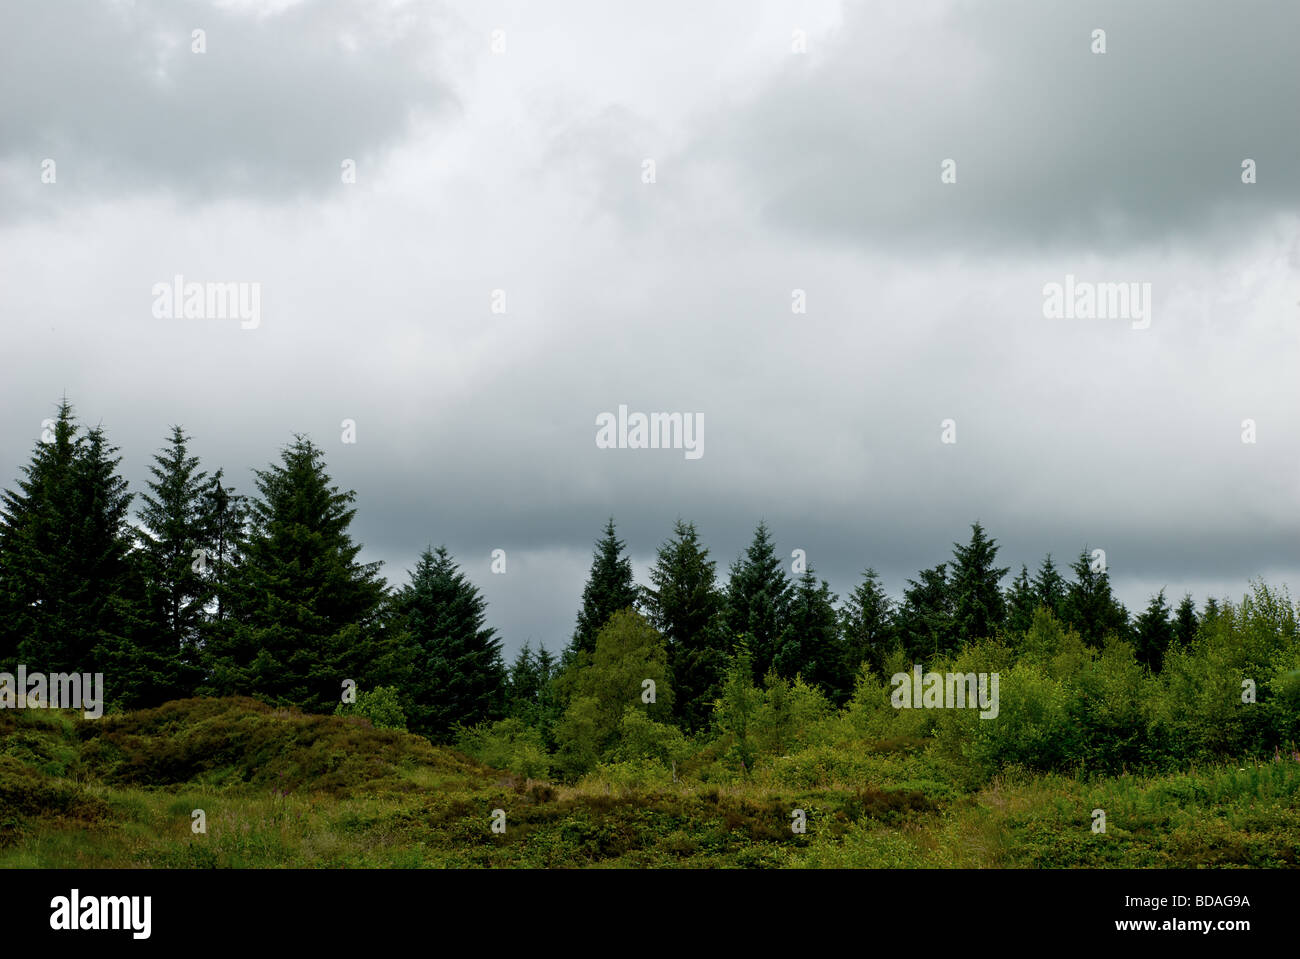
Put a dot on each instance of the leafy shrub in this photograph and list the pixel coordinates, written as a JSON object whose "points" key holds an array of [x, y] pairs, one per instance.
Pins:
{"points": [[380, 705], [641, 738], [507, 744], [630, 774]]}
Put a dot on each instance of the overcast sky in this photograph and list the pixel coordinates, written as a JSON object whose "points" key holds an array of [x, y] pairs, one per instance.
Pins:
{"points": [[795, 146]]}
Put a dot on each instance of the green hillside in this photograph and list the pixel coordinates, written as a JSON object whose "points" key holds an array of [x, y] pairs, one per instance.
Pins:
{"points": [[280, 788]]}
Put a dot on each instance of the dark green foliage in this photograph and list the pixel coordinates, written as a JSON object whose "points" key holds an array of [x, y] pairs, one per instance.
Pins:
{"points": [[227, 513], [975, 584], [304, 614], [459, 677], [1090, 608], [1021, 602], [925, 622], [524, 681], [175, 528], [176, 553], [867, 625], [1050, 587], [1153, 632], [141, 668], [1185, 621], [530, 689], [1211, 614], [758, 601], [51, 598], [73, 594], [609, 588], [810, 646], [685, 605]]}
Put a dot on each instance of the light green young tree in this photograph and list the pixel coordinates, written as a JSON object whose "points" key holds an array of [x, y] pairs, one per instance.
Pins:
{"points": [[629, 667], [735, 711]]}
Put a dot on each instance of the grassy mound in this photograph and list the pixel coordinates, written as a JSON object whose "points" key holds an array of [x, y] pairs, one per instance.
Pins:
{"points": [[225, 742]]}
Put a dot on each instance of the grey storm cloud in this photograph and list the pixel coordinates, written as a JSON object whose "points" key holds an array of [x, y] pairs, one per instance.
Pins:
{"points": [[1054, 145], [116, 95]]}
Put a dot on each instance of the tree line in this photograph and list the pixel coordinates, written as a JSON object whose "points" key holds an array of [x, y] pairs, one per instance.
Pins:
{"points": [[209, 591], [213, 592]]}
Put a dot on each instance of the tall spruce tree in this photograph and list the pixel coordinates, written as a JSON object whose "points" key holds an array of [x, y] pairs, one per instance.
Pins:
{"points": [[1021, 602], [1090, 607], [1185, 621], [74, 595], [810, 645], [866, 623], [528, 686], [139, 666], [304, 615], [758, 601], [142, 668], [685, 605], [978, 606], [459, 677], [40, 618], [609, 588], [1153, 632], [176, 553], [926, 623], [1050, 587], [227, 514], [522, 681], [549, 707]]}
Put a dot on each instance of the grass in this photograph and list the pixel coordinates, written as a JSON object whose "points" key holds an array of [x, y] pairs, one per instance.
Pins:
{"points": [[282, 789]]}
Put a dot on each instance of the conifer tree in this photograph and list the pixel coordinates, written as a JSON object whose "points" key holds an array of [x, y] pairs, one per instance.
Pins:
{"points": [[1021, 602], [176, 553], [522, 679], [1090, 607], [549, 706], [1050, 587], [926, 623], [685, 606], [459, 676], [528, 685], [978, 607], [810, 646], [304, 615], [1185, 621], [65, 546], [74, 595], [226, 512], [38, 615], [866, 623], [139, 665], [758, 601], [609, 588], [1153, 632]]}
